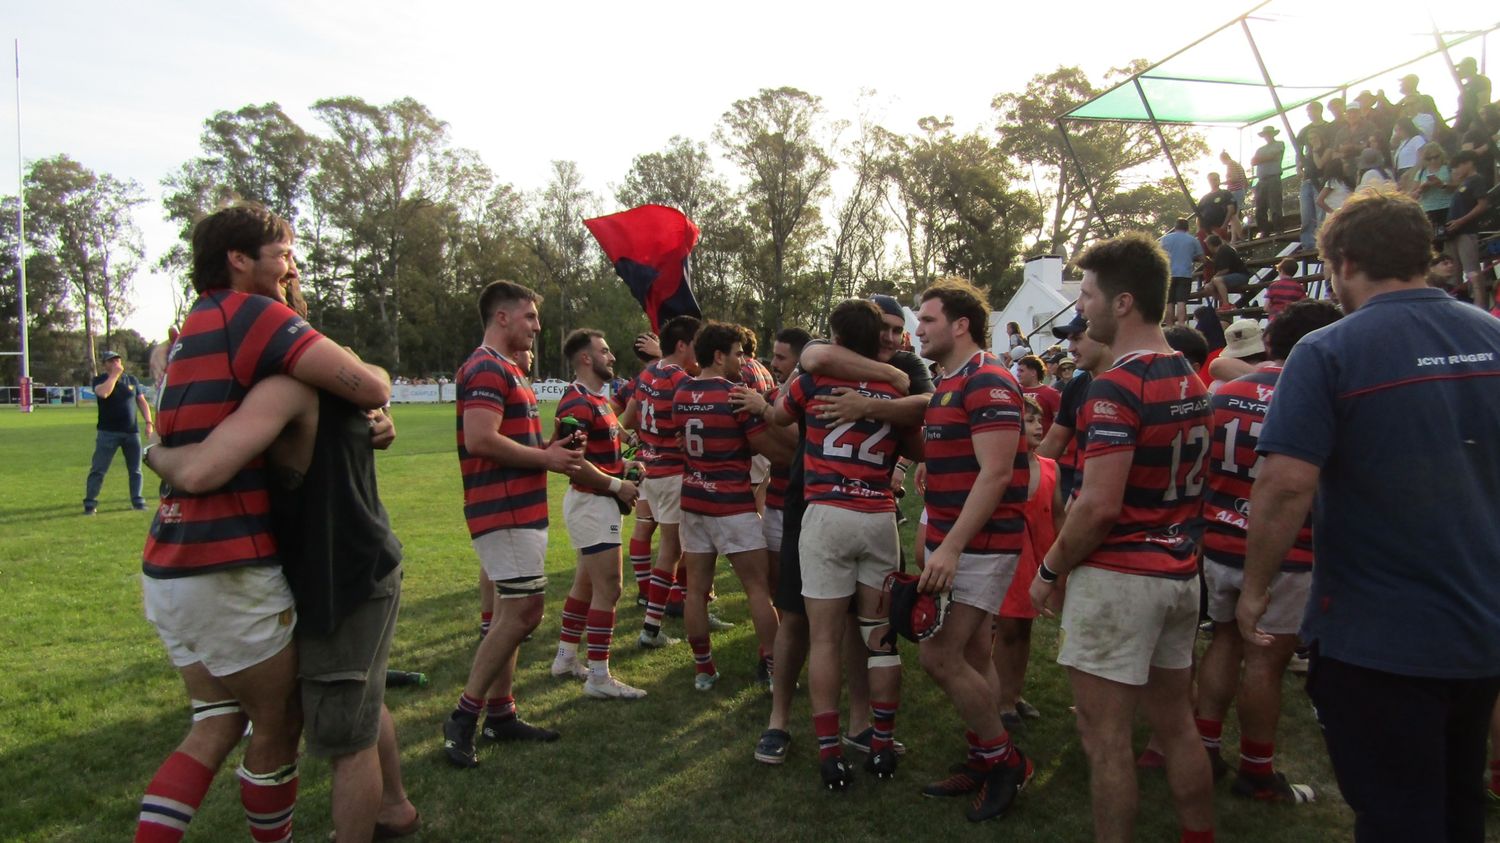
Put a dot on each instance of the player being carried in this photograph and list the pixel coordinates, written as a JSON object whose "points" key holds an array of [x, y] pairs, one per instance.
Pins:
{"points": [[976, 488], [718, 505], [849, 542], [592, 509]]}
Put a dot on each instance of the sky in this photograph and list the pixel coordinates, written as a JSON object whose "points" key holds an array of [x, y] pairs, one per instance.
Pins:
{"points": [[125, 88]]}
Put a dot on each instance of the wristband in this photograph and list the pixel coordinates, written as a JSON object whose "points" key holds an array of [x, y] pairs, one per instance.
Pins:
{"points": [[146, 454], [1046, 574], [615, 485]]}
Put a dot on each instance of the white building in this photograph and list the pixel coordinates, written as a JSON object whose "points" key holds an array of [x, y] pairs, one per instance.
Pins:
{"points": [[1042, 295]]}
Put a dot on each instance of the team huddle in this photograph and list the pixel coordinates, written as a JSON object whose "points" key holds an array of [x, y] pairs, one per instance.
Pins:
{"points": [[1121, 507]]}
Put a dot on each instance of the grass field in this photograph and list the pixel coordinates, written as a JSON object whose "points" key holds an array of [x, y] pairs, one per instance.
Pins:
{"points": [[91, 705]]}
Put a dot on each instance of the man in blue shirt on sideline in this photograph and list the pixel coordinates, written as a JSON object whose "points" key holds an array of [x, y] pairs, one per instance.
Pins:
{"points": [[1182, 250], [1389, 418], [119, 396]]}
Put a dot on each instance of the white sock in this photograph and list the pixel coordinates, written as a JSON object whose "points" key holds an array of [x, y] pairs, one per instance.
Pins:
{"points": [[599, 670]]}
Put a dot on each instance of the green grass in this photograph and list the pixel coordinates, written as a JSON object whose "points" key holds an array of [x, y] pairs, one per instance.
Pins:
{"points": [[91, 704]]}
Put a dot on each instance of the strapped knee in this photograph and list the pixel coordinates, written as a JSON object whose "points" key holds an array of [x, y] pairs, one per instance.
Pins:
{"points": [[517, 587], [204, 710], [883, 654]]}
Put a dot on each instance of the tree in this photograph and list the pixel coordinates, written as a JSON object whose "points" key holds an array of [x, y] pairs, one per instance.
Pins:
{"points": [[682, 176], [954, 206], [777, 139], [375, 177], [1111, 153], [85, 222], [257, 153], [853, 260], [570, 261], [48, 315]]}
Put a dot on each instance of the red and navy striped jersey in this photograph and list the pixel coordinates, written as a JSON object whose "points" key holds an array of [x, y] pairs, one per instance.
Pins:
{"points": [[845, 465], [498, 497], [603, 428], [229, 342], [654, 391], [755, 375], [716, 447], [1239, 409], [781, 475], [980, 396], [1154, 405]]}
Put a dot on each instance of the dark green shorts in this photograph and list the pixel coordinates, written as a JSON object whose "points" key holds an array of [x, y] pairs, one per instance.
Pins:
{"points": [[343, 674]]}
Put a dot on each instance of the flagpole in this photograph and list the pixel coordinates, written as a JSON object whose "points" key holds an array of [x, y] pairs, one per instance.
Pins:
{"points": [[25, 382]]}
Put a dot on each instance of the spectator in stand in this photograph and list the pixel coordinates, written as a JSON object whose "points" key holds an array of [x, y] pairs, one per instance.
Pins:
{"points": [[1408, 142], [1338, 124], [1432, 185], [1231, 273], [1337, 186], [1213, 210], [1066, 371], [1481, 141], [1379, 114], [1311, 141], [1462, 231], [1030, 369], [1372, 169], [1246, 349], [1473, 96], [1443, 275], [1267, 162], [1284, 290], [1390, 436], [1014, 338], [1235, 182], [1182, 250]]}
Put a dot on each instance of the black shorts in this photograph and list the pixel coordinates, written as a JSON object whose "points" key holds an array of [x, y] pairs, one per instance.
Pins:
{"points": [[1179, 291], [788, 596]]}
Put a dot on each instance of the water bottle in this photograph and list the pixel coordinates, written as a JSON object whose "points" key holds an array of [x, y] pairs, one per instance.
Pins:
{"points": [[569, 427], [400, 678]]}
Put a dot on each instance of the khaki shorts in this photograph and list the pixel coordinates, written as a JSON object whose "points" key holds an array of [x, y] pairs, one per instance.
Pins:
{"points": [[229, 620], [343, 674], [1118, 626], [665, 494], [982, 578], [1289, 590], [721, 534], [591, 519], [770, 524], [516, 555], [840, 547], [760, 469]]}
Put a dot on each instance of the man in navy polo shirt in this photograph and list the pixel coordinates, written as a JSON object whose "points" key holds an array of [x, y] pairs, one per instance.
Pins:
{"points": [[119, 396], [1389, 418]]}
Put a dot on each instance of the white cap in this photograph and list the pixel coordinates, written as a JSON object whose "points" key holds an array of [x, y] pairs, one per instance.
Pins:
{"points": [[1244, 338]]}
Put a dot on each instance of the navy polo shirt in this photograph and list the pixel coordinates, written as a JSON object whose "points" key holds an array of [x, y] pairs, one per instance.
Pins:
{"points": [[117, 412], [1399, 405]]}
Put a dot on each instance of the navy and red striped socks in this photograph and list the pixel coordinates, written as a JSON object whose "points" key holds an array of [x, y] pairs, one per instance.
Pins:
{"points": [[499, 709], [640, 564], [826, 727], [484, 623], [575, 614], [468, 708], [269, 800], [656, 599], [1256, 758], [883, 722], [1211, 732], [703, 654], [172, 798], [995, 752], [601, 632]]}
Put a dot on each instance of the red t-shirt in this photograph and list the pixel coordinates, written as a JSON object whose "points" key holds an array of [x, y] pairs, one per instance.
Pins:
{"points": [[500, 497], [229, 342], [846, 465], [1040, 534], [1049, 398], [654, 391], [602, 446], [1153, 405], [716, 448], [982, 395], [1239, 409]]}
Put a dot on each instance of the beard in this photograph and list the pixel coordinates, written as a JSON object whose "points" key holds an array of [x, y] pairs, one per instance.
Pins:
{"points": [[603, 372]]}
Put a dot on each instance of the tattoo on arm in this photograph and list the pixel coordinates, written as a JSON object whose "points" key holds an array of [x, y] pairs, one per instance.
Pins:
{"points": [[349, 380]]}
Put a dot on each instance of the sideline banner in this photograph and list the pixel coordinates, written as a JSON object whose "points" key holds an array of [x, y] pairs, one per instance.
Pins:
{"points": [[418, 393]]}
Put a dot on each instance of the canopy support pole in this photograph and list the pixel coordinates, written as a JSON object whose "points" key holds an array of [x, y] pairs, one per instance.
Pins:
{"points": [[1275, 97], [1161, 138], [1088, 188]]}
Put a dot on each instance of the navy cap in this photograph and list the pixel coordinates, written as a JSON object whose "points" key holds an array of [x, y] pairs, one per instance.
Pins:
{"points": [[888, 305], [110, 355], [1077, 326]]}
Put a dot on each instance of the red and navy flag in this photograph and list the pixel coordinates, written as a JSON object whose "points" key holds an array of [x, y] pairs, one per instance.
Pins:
{"points": [[649, 247]]}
